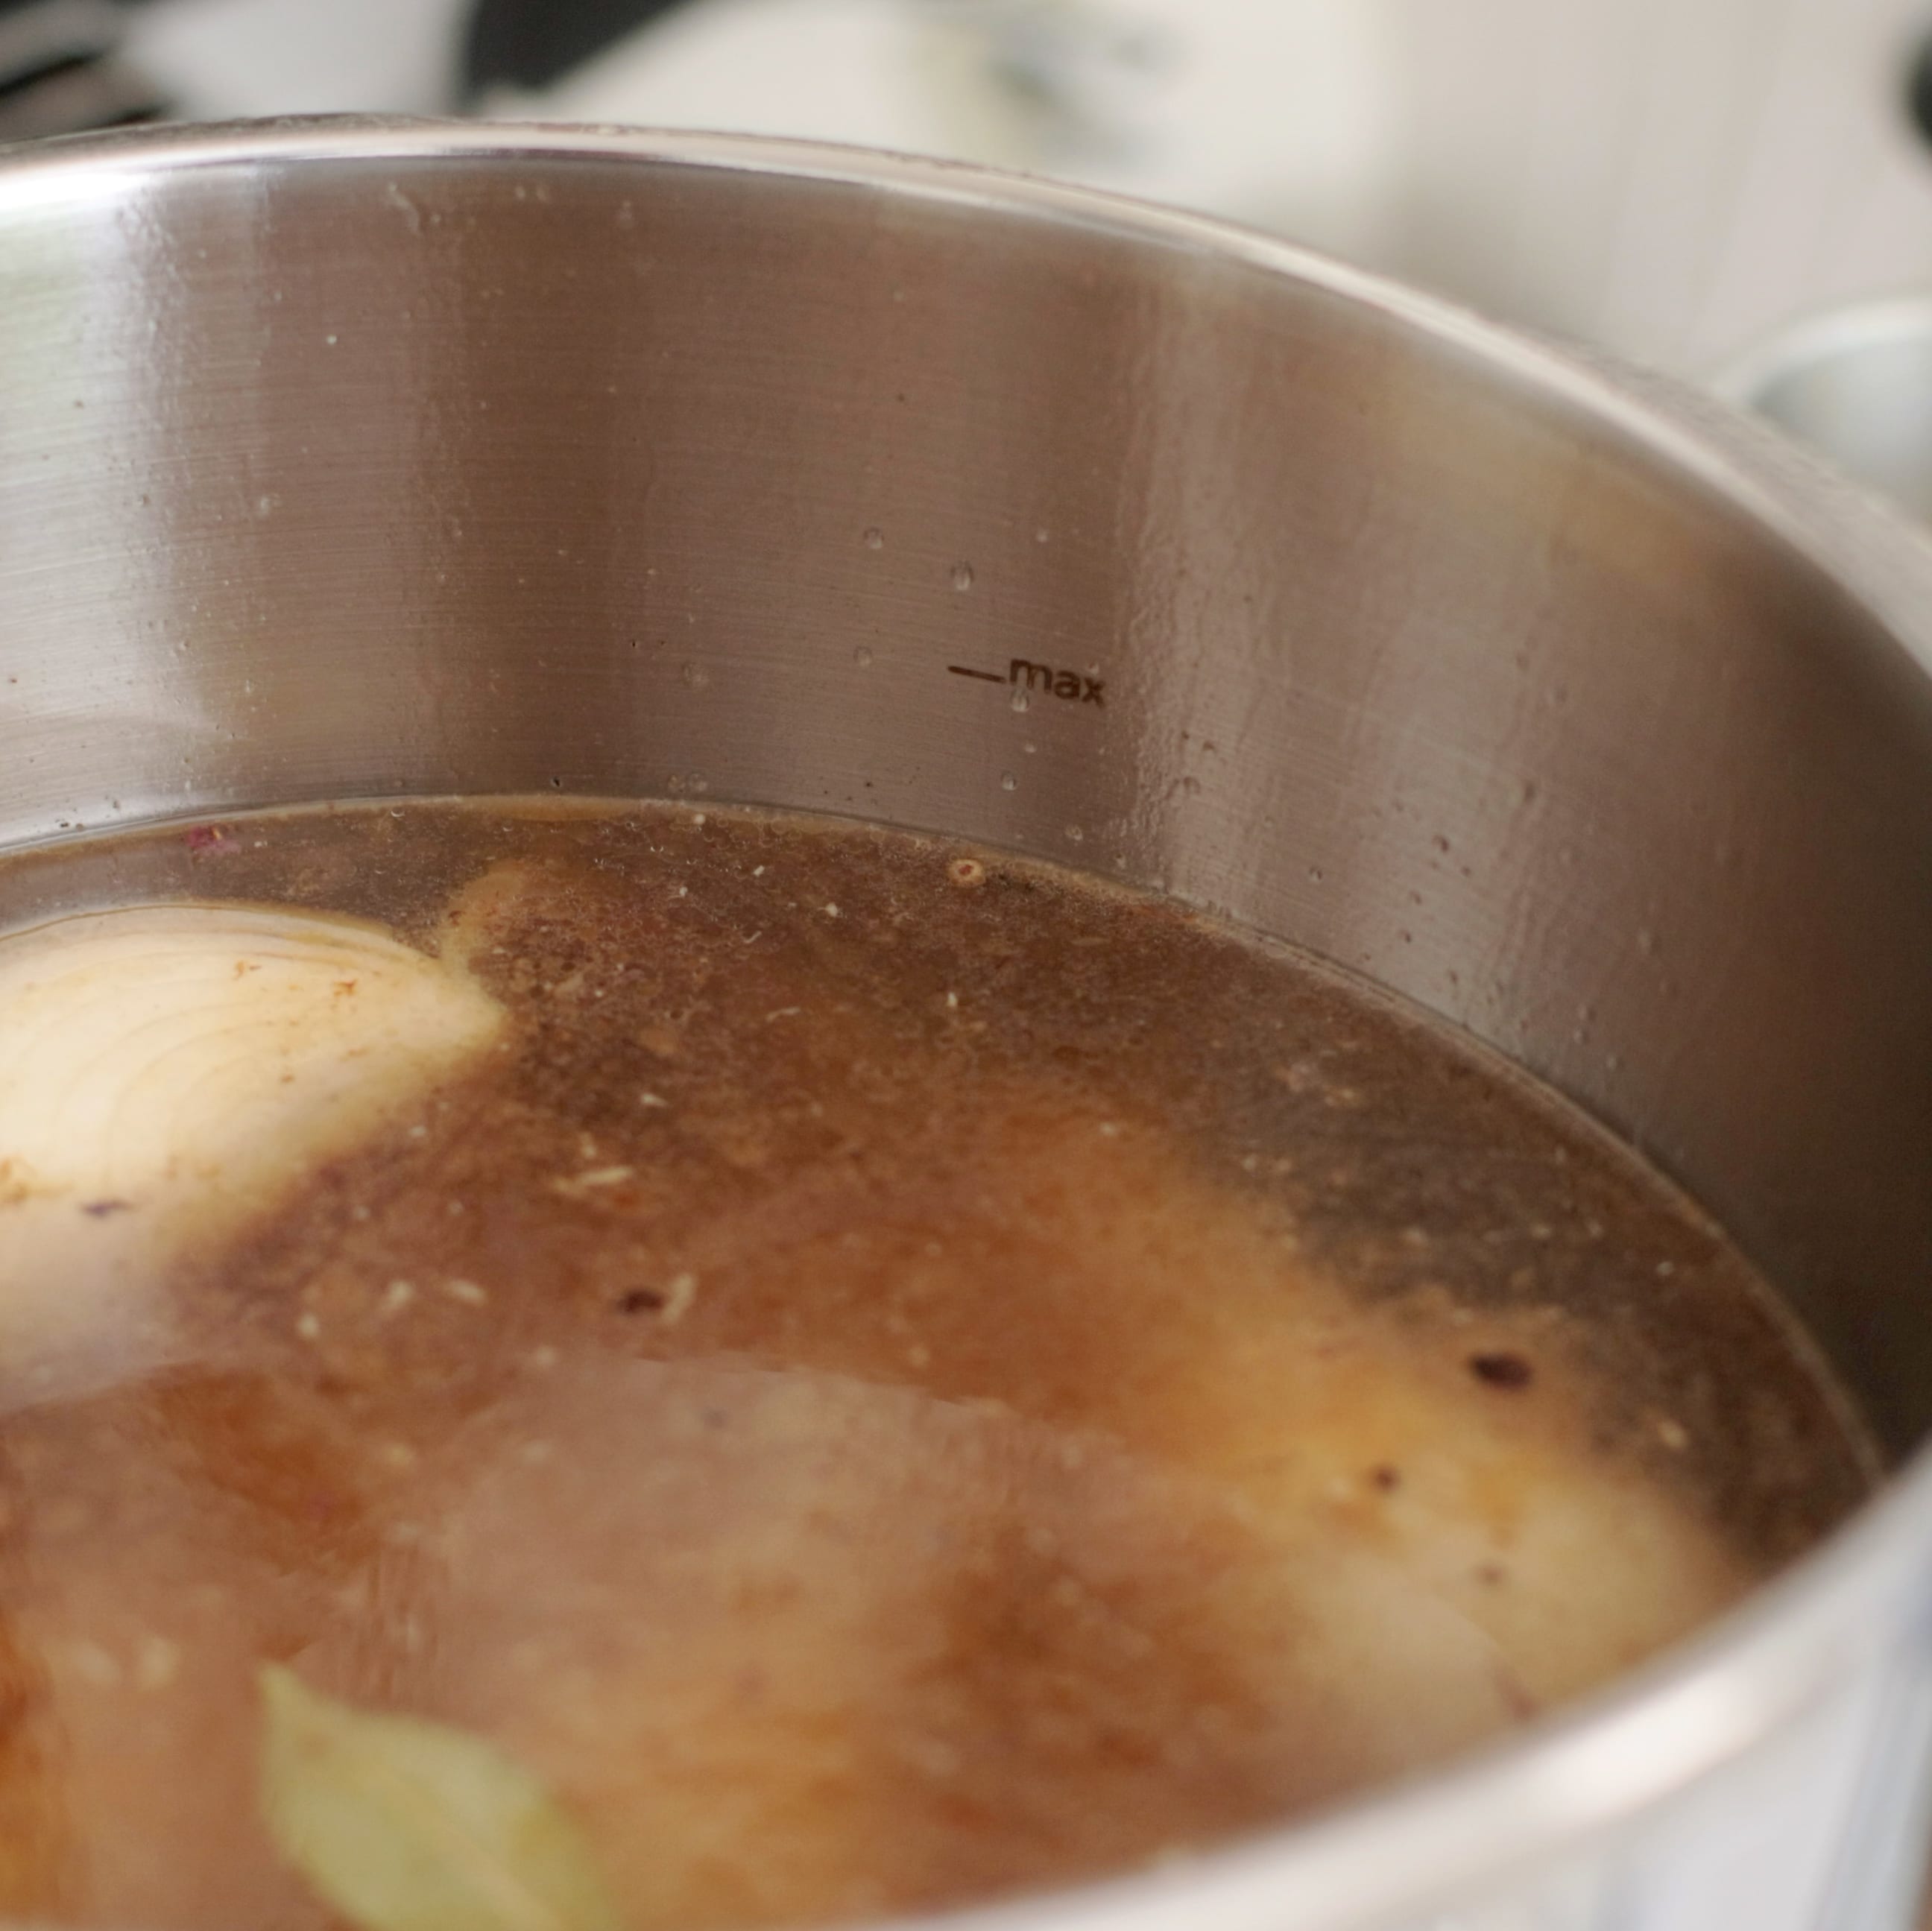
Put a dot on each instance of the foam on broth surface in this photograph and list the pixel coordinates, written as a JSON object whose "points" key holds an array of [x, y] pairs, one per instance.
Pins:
{"points": [[894, 1374]]}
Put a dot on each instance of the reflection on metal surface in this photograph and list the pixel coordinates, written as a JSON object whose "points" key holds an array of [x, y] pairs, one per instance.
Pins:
{"points": [[345, 461]]}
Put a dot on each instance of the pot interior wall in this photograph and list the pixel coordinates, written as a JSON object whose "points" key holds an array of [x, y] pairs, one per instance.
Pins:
{"points": [[422, 475]]}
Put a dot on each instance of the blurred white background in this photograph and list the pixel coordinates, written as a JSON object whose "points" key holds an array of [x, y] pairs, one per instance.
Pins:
{"points": [[1670, 178]]}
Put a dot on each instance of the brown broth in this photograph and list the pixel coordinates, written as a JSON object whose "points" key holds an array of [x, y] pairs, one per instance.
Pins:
{"points": [[907, 1374]]}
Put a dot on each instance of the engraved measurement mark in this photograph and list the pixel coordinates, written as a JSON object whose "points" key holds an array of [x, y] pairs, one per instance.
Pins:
{"points": [[1072, 686]]}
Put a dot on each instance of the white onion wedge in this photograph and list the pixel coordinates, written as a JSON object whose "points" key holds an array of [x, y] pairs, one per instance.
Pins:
{"points": [[167, 1071]]}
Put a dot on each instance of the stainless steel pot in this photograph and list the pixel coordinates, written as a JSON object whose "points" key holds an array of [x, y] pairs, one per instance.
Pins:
{"points": [[342, 460]]}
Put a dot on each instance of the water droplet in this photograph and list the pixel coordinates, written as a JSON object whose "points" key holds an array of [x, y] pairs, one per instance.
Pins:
{"points": [[1646, 940], [1020, 700], [695, 675], [962, 576], [1075, 834], [1191, 787], [1315, 874], [1043, 535], [1008, 782], [697, 781], [330, 340], [862, 655], [875, 539], [1028, 746]]}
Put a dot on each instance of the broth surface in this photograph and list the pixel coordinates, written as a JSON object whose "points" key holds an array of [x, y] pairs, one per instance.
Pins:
{"points": [[896, 1375]]}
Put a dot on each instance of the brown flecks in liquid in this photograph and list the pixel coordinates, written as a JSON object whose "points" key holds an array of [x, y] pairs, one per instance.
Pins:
{"points": [[1502, 1370], [973, 1391]]}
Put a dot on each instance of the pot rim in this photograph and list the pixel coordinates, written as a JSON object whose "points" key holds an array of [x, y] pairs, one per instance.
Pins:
{"points": [[1601, 1761]]}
